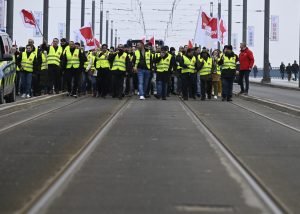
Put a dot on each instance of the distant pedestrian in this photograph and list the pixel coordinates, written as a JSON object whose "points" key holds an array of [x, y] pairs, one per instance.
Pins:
{"points": [[282, 70], [255, 71], [289, 71], [295, 70], [246, 59]]}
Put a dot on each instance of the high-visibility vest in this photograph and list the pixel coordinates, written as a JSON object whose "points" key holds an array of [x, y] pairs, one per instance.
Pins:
{"points": [[164, 64], [44, 65], [53, 57], [148, 55], [229, 63], [207, 66], [119, 62], [89, 57], [27, 63], [73, 60], [191, 63], [102, 62], [178, 66]]}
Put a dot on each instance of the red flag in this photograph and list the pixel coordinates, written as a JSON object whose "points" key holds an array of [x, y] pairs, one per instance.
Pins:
{"points": [[152, 41], [143, 39], [205, 20], [213, 24], [28, 18], [222, 30], [97, 43], [190, 45], [86, 34]]}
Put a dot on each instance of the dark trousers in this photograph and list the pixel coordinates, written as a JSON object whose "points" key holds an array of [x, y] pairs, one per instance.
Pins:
{"points": [[73, 76], [186, 84], [227, 86], [36, 84], [44, 81], [206, 86], [103, 81], [244, 75], [54, 77], [86, 82], [117, 83], [193, 85], [162, 79]]}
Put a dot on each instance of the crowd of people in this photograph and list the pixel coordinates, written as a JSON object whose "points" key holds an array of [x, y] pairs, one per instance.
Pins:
{"points": [[289, 70], [143, 70]]}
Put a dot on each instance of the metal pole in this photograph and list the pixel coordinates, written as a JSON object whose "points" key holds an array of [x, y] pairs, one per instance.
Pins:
{"points": [[299, 55], [68, 19], [219, 17], [93, 16], [229, 21], [101, 21], [112, 34], [10, 18], [245, 21], [82, 12], [116, 37], [107, 25], [211, 9], [45, 19], [266, 77]]}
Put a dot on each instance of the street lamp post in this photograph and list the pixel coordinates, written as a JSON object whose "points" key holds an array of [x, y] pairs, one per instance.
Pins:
{"points": [[101, 21], [116, 37], [219, 17], [82, 12], [10, 18], [245, 21], [211, 9], [68, 19], [46, 19], [112, 33], [266, 76], [107, 23], [229, 21], [93, 16]]}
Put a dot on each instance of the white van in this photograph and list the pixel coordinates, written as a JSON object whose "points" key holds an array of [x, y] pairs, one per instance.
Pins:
{"points": [[7, 70]]}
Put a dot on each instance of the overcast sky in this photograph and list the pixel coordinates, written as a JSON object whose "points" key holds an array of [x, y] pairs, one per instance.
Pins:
{"points": [[128, 19]]}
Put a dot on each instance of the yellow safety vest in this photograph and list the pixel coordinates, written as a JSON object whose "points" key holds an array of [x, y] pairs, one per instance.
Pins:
{"points": [[206, 69], [27, 63], [191, 63], [229, 63], [86, 64], [178, 66], [119, 62], [73, 60], [148, 55], [164, 64], [54, 56], [44, 65], [102, 62]]}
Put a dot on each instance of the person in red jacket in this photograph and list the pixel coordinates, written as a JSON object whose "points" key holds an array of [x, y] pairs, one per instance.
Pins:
{"points": [[246, 63]]}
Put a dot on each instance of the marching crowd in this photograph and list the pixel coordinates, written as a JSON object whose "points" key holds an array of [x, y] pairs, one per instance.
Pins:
{"points": [[143, 70]]}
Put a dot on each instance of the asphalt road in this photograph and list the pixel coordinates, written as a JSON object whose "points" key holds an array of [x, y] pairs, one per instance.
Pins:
{"points": [[287, 96], [31, 154], [154, 159]]}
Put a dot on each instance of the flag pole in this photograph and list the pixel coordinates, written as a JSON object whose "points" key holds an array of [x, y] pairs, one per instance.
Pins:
{"points": [[37, 26], [200, 12]]}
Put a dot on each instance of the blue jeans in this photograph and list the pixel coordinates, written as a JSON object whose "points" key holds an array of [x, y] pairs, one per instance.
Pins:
{"points": [[143, 77], [86, 82], [162, 84], [26, 79], [227, 86]]}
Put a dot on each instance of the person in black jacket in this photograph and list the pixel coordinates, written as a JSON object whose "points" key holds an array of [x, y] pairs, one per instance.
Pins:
{"points": [[295, 70], [282, 70]]}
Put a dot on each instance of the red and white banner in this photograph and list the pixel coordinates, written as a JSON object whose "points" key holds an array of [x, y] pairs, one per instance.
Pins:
{"points": [[190, 44], [209, 31], [152, 41], [28, 19], [86, 34]]}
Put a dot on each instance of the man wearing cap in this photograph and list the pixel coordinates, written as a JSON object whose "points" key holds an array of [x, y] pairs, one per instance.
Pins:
{"points": [[228, 62], [142, 62]]}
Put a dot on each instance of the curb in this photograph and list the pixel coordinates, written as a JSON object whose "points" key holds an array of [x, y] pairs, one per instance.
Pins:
{"points": [[19, 105], [294, 110], [275, 86]]}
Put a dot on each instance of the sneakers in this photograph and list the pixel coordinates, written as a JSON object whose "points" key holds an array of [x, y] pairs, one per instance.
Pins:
{"points": [[28, 96], [215, 97], [23, 96], [142, 98]]}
